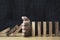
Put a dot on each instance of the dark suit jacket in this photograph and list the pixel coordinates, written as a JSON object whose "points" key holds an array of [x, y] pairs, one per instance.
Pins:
{"points": [[37, 10]]}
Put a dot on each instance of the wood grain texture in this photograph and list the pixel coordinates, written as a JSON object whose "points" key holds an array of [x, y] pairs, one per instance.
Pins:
{"points": [[39, 28]]}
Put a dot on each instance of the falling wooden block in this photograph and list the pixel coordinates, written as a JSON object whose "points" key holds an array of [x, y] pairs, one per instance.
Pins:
{"points": [[13, 29], [33, 28], [3, 34], [6, 30], [39, 28], [44, 29], [56, 28], [18, 29], [16, 35], [50, 28]]}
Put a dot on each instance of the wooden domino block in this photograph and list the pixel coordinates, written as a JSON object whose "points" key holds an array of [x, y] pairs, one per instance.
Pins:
{"points": [[33, 28], [39, 28], [44, 29], [16, 35], [56, 28], [12, 30], [50, 28], [18, 29], [3, 34], [6, 30]]}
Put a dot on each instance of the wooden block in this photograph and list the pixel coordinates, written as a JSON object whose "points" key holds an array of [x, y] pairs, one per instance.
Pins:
{"points": [[33, 28], [3, 34], [56, 28], [18, 29], [13, 29], [44, 29], [6, 30], [16, 35], [50, 28], [39, 28], [59, 33]]}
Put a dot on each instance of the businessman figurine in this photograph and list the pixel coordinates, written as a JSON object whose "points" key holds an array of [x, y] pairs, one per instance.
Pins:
{"points": [[26, 26]]}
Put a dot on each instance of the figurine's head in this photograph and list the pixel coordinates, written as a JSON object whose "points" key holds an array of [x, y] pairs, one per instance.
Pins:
{"points": [[24, 18]]}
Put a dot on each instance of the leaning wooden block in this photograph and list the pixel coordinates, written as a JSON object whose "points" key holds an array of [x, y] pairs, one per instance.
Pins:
{"points": [[6, 30], [12, 30], [3, 34], [16, 35], [17, 30]]}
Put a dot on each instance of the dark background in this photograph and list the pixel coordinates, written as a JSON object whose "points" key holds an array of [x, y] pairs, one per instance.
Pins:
{"points": [[37, 10]]}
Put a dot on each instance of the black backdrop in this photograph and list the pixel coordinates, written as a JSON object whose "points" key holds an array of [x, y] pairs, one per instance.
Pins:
{"points": [[37, 10]]}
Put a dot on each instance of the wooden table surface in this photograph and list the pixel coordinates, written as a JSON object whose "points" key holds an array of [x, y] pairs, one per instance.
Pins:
{"points": [[29, 38]]}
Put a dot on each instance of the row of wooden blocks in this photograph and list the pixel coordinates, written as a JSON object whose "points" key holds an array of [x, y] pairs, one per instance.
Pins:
{"points": [[50, 25], [30, 30]]}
